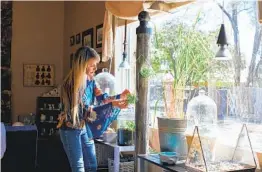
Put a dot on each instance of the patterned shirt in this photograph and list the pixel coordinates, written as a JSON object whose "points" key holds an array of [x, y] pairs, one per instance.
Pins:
{"points": [[101, 116]]}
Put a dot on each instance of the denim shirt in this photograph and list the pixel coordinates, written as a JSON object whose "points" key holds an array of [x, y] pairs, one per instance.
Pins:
{"points": [[91, 93], [105, 113]]}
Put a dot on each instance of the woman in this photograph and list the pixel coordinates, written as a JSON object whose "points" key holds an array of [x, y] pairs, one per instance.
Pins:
{"points": [[78, 122]]}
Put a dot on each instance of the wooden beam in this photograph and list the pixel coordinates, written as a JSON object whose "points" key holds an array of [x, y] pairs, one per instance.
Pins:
{"points": [[144, 33]]}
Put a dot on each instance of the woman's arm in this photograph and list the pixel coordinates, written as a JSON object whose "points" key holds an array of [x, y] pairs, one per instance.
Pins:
{"points": [[121, 104], [105, 98]]}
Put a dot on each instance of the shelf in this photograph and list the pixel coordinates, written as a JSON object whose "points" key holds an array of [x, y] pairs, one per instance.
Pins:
{"points": [[155, 159], [50, 108], [115, 145], [48, 122]]}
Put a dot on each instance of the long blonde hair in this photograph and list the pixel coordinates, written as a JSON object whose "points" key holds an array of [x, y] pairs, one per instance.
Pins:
{"points": [[75, 82]]}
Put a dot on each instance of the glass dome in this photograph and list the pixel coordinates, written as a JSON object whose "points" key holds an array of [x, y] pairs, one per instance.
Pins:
{"points": [[106, 82], [201, 110]]}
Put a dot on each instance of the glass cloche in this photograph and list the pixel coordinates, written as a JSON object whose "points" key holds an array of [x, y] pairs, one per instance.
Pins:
{"points": [[201, 110], [106, 81]]}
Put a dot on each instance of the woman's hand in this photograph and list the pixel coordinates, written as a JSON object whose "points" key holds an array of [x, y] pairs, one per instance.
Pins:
{"points": [[124, 94], [122, 104], [61, 118]]}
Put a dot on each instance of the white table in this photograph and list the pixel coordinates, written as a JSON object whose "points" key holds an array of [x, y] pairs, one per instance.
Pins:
{"points": [[117, 151]]}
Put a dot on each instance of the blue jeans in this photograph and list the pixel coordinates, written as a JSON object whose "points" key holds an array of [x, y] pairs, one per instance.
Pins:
{"points": [[80, 149]]}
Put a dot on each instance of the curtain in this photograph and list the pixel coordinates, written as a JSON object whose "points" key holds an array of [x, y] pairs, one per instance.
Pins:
{"points": [[129, 10], [107, 41]]}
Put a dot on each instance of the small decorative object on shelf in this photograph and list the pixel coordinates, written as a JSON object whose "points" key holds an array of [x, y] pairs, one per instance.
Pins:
{"points": [[42, 118], [52, 93], [223, 152], [48, 109]]}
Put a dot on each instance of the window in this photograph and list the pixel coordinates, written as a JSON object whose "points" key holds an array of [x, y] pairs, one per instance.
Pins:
{"points": [[199, 22], [125, 79]]}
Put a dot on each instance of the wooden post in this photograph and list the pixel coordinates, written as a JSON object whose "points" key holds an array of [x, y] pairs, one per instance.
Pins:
{"points": [[143, 32]]}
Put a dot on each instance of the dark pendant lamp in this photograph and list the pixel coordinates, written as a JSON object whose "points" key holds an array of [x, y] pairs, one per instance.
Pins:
{"points": [[223, 52], [124, 64]]}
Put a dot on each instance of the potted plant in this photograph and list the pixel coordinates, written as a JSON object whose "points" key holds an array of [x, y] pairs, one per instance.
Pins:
{"points": [[126, 131], [125, 134]]}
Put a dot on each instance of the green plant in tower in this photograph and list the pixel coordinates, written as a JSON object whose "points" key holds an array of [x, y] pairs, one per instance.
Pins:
{"points": [[146, 72]]}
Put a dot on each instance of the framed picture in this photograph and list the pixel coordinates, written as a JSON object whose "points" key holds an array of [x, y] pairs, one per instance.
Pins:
{"points": [[99, 35], [72, 40], [78, 38], [71, 59], [39, 75], [87, 38]]}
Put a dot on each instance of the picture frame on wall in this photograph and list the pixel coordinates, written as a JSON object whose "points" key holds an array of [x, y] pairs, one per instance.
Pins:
{"points": [[78, 38], [87, 38], [99, 35], [72, 40], [38, 75], [71, 59]]}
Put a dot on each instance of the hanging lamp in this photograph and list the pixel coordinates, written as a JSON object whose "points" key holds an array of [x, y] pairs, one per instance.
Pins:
{"points": [[223, 52], [124, 64]]}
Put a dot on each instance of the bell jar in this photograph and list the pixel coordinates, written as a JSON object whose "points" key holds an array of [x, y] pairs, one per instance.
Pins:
{"points": [[201, 111], [106, 82]]}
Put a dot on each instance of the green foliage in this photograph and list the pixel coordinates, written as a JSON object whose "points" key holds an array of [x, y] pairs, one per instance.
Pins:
{"points": [[146, 72], [131, 99], [186, 51], [130, 125]]}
